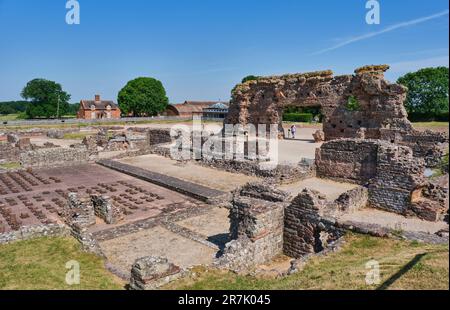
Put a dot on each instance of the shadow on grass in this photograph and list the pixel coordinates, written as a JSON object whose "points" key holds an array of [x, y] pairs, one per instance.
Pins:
{"points": [[401, 272]]}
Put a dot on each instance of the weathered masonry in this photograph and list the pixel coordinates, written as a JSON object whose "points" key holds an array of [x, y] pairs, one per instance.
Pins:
{"points": [[378, 114]]}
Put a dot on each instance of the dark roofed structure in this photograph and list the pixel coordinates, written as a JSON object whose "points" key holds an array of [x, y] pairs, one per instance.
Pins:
{"points": [[188, 108]]}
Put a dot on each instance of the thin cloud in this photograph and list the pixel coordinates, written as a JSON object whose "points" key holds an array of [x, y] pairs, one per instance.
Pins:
{"points": [[385, 30], [413, 65]]}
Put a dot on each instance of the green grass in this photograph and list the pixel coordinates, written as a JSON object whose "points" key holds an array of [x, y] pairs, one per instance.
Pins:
{"points": [[431, 125], [8, 117], [82, 125], [76, 135], [8, 166], [40, 264], [344, 269]]}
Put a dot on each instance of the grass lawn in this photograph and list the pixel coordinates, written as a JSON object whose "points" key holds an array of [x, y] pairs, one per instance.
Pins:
{"points": [[434, 126], [82, 125], [10, 166], [8, 117], [404, 265], [40, 265], [76, 135]]}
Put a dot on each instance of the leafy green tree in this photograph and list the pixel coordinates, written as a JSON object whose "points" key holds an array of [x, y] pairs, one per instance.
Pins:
{"points": [[143, 97], [352, 104], [47, 99], [428, 91]]}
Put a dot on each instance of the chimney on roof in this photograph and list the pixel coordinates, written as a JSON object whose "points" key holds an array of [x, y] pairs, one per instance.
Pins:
{"points": [[97, 98]]}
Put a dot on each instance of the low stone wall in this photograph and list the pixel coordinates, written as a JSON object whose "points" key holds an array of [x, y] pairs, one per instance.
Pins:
{"points": [[79, 215], [353, 200], [9, 153], [158, 136], [281, 174], [33, 232], [427, 145], [150, 273], [395, 177], [256, 226], [79, 211], [306, 229], [105, 209], [54, 157]]}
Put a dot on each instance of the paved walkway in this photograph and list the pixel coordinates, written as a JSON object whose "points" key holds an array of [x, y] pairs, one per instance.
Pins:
{"points": [[393, 221]]}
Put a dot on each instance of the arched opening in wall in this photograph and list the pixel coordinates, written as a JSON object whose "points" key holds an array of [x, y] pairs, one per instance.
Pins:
{"points": [[308, 119]]}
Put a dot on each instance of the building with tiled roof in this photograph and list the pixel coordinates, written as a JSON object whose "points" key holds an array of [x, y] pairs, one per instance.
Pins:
{"points": [[98, 109]]}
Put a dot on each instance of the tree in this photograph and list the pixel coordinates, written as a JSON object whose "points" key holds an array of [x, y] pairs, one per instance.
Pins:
{"points": [[427, 91], [47, 99], [143, 97], [250, 78]]}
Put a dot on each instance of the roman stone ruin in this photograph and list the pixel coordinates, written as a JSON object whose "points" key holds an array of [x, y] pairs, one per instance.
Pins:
{"points": [[378, 114]]}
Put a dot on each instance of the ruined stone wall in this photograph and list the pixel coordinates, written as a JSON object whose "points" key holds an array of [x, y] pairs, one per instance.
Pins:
{"points": [[430, 146], [54, 157], [306, 229], [256, 227], [105, 209], [10, 150], [348, 160], [8, 153], [395, 178], [33, 232], [158, 136], [150, 273], [281, 174], [79, 214], [380, 113], [399, 174]]}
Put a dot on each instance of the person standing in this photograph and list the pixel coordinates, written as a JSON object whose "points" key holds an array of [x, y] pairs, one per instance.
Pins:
{"points": [[293, 131]]}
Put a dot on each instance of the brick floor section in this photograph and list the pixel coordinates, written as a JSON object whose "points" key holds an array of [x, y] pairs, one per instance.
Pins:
{"points": [[187, 188]]}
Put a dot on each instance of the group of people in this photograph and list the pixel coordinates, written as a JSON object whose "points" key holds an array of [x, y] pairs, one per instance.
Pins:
{"points": [[292, 131]]}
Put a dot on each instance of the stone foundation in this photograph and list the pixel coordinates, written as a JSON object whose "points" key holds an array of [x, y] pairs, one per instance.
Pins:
{"points": [[105, 209], [256, 225], [33, 232], [306, 229], [281, 174], [150, 273], [394, 177], [54, 157], [158, 136]]}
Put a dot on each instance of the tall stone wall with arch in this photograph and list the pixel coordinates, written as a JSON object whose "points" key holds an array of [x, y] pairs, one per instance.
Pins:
{"points": [[380, 113]]}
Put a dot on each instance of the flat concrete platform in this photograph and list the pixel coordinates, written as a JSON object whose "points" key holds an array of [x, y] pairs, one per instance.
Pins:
{"points": [[190, 172], [393, 221], [213, 223], [123, 251], [331, 189]]}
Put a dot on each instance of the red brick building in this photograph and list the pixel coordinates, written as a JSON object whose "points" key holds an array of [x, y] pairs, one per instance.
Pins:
{"points": [[98, 109]]}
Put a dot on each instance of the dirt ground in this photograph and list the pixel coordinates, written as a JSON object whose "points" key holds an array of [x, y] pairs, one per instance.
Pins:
{"points": [[122, 252]]}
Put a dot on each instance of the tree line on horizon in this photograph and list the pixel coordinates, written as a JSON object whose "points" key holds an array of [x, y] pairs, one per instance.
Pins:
{"points": [[427, 98]]}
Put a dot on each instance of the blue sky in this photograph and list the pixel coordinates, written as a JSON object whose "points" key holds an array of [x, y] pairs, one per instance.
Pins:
{"points": [[200, 49]]}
